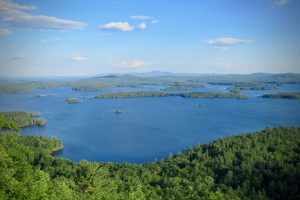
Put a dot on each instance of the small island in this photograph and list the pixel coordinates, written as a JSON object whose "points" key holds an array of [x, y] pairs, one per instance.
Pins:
{"points": [[292, 95], [72, 100], [118, 111]]}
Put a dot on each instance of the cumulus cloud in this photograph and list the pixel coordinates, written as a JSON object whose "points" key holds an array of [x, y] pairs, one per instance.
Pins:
{"points": [[50, 39], [126, 26], [123, 26], [279, 3], [141, 26], [79, 58], [4, 32], [224, 43], [133, 64], [118, 26], [17, 15]]}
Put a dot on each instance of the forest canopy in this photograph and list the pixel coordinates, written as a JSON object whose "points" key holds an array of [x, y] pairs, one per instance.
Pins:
{"points": [[262, 165], [18, 119]]}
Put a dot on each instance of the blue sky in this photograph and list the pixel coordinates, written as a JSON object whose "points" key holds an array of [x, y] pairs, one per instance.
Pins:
{"points": [[75, 37]]}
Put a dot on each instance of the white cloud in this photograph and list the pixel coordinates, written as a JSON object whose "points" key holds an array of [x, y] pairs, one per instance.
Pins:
{"points": [[79, 58], [118, 26], [123, 26], [14, 6], [50, 39], [4, 32], [141, 17], [141, 26], [126, 27], [15, 15], [279, 3], [133, 64], [224, 43], [154, 21]]}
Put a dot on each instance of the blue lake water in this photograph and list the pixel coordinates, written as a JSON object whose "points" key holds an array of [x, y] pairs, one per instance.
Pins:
{"points": [[149, 128]]}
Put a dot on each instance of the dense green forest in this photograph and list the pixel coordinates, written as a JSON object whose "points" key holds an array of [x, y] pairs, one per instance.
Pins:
{"points": [[292, 95], [253, 86], [139, 80], [136, 94], [230, 94], [21, 119], [262, 165]]}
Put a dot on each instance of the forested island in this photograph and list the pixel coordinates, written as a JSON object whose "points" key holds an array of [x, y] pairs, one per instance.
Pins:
{"points": [[253, 87], [136, 94], [118, 111], [213, 95], [292, 95], [262, 165], [72, 100], [182, 87]]}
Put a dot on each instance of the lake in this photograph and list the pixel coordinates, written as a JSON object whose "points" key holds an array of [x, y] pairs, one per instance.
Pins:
{"points": [[149, 128]]}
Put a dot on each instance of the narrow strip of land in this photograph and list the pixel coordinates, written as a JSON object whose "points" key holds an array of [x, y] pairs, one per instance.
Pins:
{"points": [[292, 95], [137, 94]]}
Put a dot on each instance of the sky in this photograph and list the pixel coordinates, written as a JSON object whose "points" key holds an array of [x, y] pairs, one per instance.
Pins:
{"points": [[84, 38]]}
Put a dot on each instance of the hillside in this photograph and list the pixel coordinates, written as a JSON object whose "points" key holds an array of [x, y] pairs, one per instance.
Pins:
{"points": [[262, 165]]}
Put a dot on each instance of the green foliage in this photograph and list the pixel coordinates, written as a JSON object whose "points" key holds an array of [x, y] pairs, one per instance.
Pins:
{"points": [[292, 95], [51, 144], [262, 165], [7, 125], [137, 94], [20, 119], [253, 86], [21, 86], [134, 94], [214, 95]]}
